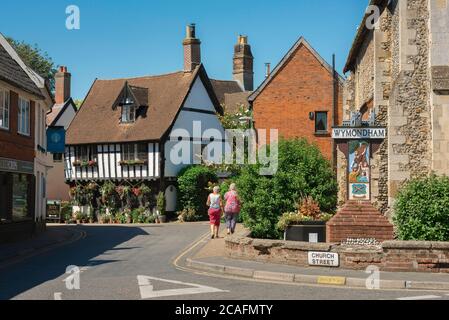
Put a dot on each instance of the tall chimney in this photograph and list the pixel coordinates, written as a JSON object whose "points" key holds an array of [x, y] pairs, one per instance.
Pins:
{"points": [[192, 49], [62, 85], [243, 64]]}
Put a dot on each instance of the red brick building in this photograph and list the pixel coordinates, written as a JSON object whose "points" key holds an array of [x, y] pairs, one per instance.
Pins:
{"points": [[24, 100], [300, 98]]}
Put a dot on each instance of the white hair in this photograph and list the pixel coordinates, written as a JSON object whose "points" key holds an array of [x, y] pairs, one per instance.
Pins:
{"points": [[232, 187], [216, 189]]}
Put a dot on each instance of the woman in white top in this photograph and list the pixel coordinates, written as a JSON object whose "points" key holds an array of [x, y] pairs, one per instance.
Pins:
{"points": [[215, 210]]}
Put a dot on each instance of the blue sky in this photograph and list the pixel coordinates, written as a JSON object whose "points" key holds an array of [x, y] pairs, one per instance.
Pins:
{"points": [[137, 37]]}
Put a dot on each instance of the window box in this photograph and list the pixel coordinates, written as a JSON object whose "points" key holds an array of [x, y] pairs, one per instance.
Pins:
{"points": [[84, 164], [133, 162]]}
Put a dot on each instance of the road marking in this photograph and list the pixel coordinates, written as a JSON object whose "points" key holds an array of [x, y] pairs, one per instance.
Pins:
{"points": [[147, 289], [58, 296], [419, 298], [331, 280]]}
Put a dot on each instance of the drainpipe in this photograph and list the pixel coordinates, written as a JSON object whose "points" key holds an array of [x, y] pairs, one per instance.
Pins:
{"points": [[334, 112]]}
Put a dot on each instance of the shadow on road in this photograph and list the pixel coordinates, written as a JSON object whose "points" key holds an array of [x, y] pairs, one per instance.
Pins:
{"points": [[32, 272]]}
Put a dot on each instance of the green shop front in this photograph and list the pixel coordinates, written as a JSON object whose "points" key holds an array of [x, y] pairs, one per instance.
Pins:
{"points": [[17, 197]]}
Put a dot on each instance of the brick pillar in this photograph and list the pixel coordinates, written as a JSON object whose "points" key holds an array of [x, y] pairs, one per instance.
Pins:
{"points": [[359, 220]]}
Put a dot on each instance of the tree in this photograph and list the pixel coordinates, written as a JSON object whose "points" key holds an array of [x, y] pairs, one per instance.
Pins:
{"points": [[36, 59]]}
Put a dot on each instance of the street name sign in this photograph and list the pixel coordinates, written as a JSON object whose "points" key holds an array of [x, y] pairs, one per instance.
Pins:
{"points": [[359, 133], [323, 259]]}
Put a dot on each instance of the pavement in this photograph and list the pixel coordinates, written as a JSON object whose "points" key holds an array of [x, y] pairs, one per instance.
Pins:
{"points": [[212, 257], [150, 262]]}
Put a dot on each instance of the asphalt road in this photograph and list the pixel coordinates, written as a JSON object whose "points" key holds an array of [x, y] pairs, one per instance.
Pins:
{"points": [[127, 262]]}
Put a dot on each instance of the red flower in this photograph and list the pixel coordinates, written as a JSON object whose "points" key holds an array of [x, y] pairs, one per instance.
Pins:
{"points": [[136, 192]]}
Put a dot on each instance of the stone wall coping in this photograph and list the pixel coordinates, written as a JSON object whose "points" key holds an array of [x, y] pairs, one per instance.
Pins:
{"points": [[415, 245], [243, 239]]}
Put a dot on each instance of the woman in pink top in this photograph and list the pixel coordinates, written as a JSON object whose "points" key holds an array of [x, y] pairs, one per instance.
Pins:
{"points": [[232, 208]]}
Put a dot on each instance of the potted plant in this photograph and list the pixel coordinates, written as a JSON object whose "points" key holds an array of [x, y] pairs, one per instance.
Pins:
{"points": [[80, 217], [161, 204], [144, 196], [307, 224]]}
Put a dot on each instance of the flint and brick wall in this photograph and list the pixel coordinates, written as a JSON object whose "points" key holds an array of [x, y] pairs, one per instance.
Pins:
{"points": [[405, 256], [393, 67]]}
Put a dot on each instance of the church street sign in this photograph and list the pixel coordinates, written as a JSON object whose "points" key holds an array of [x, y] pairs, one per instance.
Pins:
{"points": [[359, 133]]}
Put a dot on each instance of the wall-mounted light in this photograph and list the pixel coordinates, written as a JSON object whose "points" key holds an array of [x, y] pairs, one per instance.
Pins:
{"points": [[311, 115]]}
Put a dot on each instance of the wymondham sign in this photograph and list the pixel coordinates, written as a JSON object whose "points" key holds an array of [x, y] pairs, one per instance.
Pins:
{"points": [[359, 133], [323, 259]]}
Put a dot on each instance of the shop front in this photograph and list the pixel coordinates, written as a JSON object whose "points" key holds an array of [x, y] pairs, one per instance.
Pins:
{"points": [[17, 198]]}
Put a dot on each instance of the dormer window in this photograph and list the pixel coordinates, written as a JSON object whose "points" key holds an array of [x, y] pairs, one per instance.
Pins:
{"points": [[128, 113], [128, 106], [133, 103]]}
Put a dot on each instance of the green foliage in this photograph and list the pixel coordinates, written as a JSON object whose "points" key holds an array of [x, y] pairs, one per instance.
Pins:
{"points": [[193, 184], [188, 215], [230, 120], [66, 211], [36, 59], [288, 219], [302, 171], [421, 211], [78, 102], [161, 203]]}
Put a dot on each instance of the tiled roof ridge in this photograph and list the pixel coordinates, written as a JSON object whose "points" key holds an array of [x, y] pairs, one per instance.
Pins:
{"points": [[144, 77]]}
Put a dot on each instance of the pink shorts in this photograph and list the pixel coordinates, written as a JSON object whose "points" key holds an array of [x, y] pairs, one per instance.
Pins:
{"points": [[214, 216]]}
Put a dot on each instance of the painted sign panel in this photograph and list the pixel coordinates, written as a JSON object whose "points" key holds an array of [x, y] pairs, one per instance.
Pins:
{"points": [[324, 259], [359, 133], [56, 139], [359, 170]]}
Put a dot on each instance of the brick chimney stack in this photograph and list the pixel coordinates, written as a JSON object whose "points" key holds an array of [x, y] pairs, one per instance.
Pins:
{"points": [[62, 85], [243, 64], [192, 49]]}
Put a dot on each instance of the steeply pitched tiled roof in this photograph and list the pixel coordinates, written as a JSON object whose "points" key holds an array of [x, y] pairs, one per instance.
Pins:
{"points": [[234, 101], [12, 73], [97, 121], [222, 87], [301, 42]]}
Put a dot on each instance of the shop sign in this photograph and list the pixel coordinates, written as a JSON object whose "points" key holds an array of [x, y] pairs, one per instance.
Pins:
{"points": [[11, 165]]}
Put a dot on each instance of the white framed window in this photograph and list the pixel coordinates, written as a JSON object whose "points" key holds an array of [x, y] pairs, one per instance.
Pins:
{"points": [[4, 109], [24, 117], [128, 113], [136, 151]]}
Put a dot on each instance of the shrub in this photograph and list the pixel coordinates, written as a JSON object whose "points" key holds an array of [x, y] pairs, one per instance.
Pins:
{"points": [[309, 208], [193, 183], [66, 211], [188, 215], [421, 211], [302, 171], [161, 203]]}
